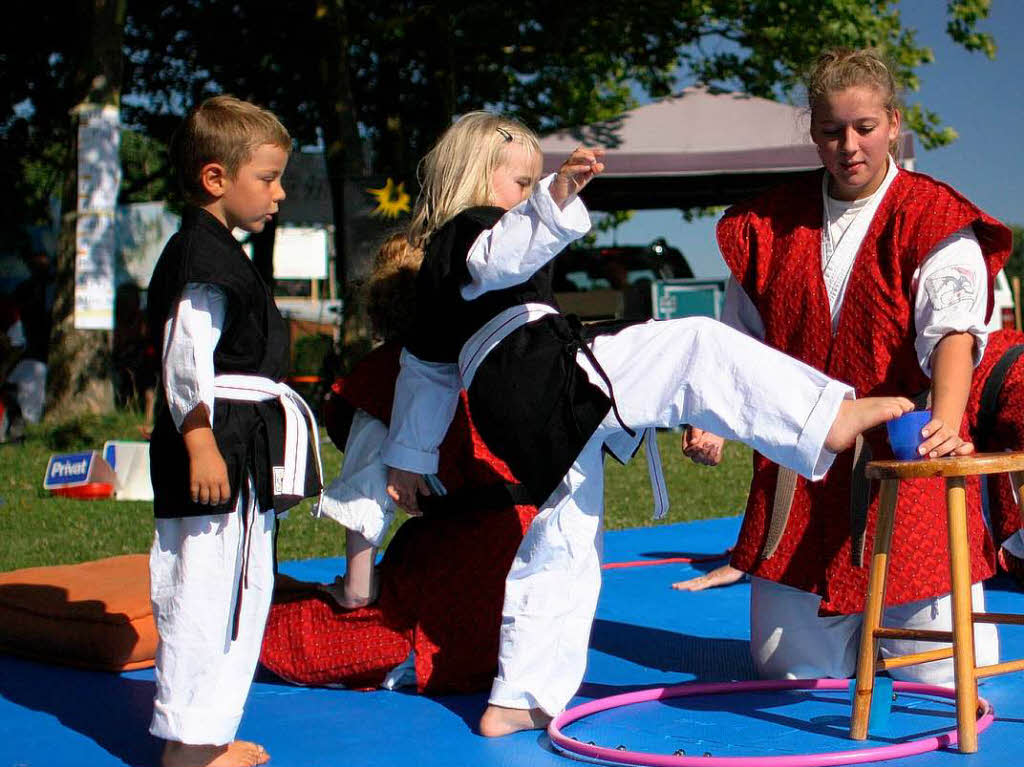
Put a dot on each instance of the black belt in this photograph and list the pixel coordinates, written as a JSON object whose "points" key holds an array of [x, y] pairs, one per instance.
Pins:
{"points": [[580, 342]]}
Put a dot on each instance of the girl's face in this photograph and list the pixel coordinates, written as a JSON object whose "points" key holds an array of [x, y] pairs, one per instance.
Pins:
{"points": [[513, 180], [853, 131]]}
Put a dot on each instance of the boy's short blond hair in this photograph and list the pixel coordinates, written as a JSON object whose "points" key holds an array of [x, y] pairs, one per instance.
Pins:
{"points": [[391, 289], [223, 130]]}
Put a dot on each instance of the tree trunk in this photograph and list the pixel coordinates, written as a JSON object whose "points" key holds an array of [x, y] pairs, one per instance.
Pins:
{"points": [[79, 375], [344, 156]]}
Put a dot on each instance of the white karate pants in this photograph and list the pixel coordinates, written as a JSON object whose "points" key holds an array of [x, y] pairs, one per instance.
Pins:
{"points": [[358, 497], [789, 640], [695, 371], [202, 676]]}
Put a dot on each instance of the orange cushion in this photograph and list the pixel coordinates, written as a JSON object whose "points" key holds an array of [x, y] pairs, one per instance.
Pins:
{"points": [[94, 615]]}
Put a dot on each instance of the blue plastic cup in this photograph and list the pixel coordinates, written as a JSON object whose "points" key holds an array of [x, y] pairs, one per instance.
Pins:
{"points": [[905, 433]]}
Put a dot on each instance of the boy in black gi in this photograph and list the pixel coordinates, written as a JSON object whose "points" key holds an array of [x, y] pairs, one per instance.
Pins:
{"points": [[230, 446]]}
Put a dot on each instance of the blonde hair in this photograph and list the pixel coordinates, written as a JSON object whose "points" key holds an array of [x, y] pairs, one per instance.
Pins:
{"points": [[224, 130], [841, 68], [456, 173], [391, 289]]}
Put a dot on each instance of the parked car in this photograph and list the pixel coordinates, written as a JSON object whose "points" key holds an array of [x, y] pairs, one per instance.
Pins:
{"points": [[614, 281]]}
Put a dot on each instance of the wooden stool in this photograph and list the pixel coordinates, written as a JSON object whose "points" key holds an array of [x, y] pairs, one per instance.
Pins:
{"points": [[965, 671]]}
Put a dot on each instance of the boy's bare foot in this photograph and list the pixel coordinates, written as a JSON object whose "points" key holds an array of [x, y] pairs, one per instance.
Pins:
{"points": [[720, 576], [859, 415], [498, 720], [237, 753]]}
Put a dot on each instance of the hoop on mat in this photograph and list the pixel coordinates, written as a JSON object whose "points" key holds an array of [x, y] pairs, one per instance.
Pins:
{"points": [[826, 759], [669, 561]]}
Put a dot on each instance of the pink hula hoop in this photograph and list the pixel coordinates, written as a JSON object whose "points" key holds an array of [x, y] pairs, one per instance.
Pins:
{"points": [[668, 561], [827, 759]]}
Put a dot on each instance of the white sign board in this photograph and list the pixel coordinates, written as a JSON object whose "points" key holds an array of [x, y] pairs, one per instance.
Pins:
{"points": [[99, 178], [300, 253]]}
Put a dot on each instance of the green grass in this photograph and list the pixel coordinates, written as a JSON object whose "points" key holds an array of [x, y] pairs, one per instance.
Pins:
{"points": [[41, 529]]}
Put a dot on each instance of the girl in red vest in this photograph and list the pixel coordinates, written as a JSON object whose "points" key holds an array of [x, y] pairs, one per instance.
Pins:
{"points": [[881, 278], [995, 418]]}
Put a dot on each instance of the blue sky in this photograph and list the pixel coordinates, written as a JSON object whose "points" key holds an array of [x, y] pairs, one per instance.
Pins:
{"points": [[982, 99]]}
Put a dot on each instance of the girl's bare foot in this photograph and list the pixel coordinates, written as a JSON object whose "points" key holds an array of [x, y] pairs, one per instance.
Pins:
{"points": [[859, 415], [498, 720], [346, 597], [720, 576], [237, 753]]}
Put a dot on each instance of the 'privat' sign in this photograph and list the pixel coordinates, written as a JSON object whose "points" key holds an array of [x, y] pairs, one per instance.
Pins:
{"points": [[74, 469]]}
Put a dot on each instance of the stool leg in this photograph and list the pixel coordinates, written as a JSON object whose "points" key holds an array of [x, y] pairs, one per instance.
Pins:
{"points": [[963, 625], [873, 606]]}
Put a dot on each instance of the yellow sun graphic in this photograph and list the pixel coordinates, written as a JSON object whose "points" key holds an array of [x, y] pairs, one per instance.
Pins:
{"points": [[392, 200]]}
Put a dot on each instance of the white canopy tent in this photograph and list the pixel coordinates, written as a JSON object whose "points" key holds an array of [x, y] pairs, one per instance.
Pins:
{"points": [[697, 148]]}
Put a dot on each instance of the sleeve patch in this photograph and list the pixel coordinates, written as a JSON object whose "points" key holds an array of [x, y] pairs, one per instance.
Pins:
{"points": [[950, 287]]}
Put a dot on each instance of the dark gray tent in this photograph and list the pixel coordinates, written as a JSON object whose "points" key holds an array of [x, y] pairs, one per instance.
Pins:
{"points": [[694, 149]]}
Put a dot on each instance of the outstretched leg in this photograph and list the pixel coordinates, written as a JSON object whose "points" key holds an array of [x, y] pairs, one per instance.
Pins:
{"points": [[701, 372]]}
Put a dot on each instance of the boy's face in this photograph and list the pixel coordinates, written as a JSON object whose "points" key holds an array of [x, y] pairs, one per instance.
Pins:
{"points": [[250, 197]]}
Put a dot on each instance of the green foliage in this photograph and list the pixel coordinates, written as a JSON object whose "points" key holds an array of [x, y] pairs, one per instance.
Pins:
{"points": [[606, 222], [1015, 265], [309, 353], [392, 75], [146, 175]]}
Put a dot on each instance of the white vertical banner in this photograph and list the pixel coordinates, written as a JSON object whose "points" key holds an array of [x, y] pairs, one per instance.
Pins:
{"points": [[99, 178]]}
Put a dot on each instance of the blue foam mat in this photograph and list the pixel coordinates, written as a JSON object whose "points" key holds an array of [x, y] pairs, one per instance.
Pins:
{"points": [[645, 635]]}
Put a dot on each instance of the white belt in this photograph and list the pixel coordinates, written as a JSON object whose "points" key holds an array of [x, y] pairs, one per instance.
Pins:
{"points": [[299, 424], [497, 329], [655, 472]]}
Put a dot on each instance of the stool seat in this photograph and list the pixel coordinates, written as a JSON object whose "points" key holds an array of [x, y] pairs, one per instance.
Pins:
{"points": [[966, 672], [949, 466]]}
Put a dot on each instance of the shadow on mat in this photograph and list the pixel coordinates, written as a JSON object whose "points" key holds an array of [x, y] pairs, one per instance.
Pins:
{"points": [[707, 560], [110, 709], [706, 658]]}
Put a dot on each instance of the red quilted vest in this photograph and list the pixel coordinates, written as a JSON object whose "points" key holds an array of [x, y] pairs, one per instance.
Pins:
{"points": [[442, 578], [773, 247]]}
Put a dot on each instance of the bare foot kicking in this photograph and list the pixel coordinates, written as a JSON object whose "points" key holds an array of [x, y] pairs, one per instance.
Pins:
{"points": [[859, 415], [498, 720], [237, 753], [720, 576], [346, 598]]}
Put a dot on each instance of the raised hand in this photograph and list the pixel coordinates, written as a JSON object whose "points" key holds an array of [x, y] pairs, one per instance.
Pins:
{"points": [[576, 172]]}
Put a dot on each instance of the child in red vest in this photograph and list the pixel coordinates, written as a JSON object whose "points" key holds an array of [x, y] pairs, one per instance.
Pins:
{"points": [[995, 418], [429, 614]]}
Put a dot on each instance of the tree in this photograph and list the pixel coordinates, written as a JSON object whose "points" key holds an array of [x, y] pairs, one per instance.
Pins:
{"points": [[78, 377], [1015, 265], [375, 83]]}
